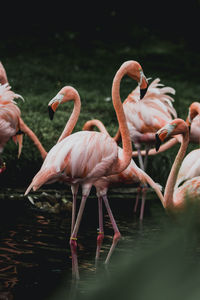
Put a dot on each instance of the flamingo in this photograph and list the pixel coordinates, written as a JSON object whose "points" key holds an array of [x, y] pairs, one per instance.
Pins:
{"points": [[146, 116], [176, 198], [11, 123], [83, 157], [132, 174], [193, 121]]}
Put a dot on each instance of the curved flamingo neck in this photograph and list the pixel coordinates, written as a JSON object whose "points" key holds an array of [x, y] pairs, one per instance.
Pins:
{"points": [[194, 110], [89, 125], [171, 181], [126, 140], [73, 118]]}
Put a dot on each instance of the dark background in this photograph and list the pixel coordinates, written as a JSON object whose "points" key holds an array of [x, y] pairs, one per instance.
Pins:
{"points": [[108, 22]]}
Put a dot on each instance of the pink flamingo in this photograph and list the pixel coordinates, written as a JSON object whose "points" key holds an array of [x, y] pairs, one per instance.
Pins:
{"points": [[176, 198], [11, 124], [146, 116], [85, 156], [193, 120], [132, 174]]}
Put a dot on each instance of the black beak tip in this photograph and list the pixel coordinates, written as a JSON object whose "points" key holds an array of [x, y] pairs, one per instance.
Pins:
{"points": [[51, 112], [143, 92], [158, 142]]}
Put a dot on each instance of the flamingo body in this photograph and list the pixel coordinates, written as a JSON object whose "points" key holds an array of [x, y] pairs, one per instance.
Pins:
{"points": [[146, 116], [77, 160], [190, 190], [190, 167], [9, 115]]}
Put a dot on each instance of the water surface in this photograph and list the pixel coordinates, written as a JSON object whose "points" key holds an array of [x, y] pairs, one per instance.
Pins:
{"points": [[35, 256]]}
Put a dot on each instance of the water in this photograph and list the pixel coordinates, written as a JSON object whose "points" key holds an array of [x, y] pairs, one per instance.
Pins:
{"points": [[35, 257]]}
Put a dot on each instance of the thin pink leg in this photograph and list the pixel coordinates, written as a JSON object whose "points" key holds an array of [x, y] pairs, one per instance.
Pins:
{"points": [[140, 159], [74, 189], [101, 232], [73, 239], [117, 234], [137, 199], [146, 158]]}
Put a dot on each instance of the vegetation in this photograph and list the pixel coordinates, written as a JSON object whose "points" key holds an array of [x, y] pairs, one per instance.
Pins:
{"points": [[39, 68]]}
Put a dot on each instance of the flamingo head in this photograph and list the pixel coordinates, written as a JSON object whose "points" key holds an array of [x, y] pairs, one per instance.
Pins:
{"points": [[194, 110], [67, 93], [134, 70], [175, 127]]}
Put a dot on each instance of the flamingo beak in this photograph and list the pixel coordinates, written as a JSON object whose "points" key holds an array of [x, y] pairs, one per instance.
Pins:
{"points": [[160, 137], [188, 122], [158, 142], [51, 112], [143, 84], [53, 104], [143, 92]]}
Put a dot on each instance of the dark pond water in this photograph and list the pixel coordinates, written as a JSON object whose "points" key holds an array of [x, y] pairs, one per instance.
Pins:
{"points": [[35, 260]]}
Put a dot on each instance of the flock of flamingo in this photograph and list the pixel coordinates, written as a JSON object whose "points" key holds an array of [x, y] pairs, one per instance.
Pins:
{"points": [[93, 158]]}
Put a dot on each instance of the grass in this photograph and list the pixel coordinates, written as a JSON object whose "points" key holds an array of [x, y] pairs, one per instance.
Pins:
{"points": [[39, 69]]}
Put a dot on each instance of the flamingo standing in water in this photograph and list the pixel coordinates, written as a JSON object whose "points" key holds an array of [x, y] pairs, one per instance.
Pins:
{"points": [[132, 174], [144, 117], [176, 198], [85, 156]]}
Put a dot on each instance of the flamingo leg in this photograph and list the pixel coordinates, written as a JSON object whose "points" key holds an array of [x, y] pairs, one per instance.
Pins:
{"points": [[141, 163], [100, 236], [74, 189], [117, 234], [73, 239], [137, 198], [146, 157]]}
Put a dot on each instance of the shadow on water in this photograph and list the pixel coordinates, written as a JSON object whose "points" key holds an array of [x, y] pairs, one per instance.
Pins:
{"points": [[155, 259]]}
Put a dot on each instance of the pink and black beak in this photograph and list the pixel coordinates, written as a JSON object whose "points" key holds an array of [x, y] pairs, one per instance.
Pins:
{"points": [[143, 92], [160, 136], [51, 112], [143, 84], [158, 142], [53, 104]]}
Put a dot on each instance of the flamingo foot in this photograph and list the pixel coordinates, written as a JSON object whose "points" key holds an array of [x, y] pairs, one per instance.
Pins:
{"points": [[116, 238], [73, 246]]}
